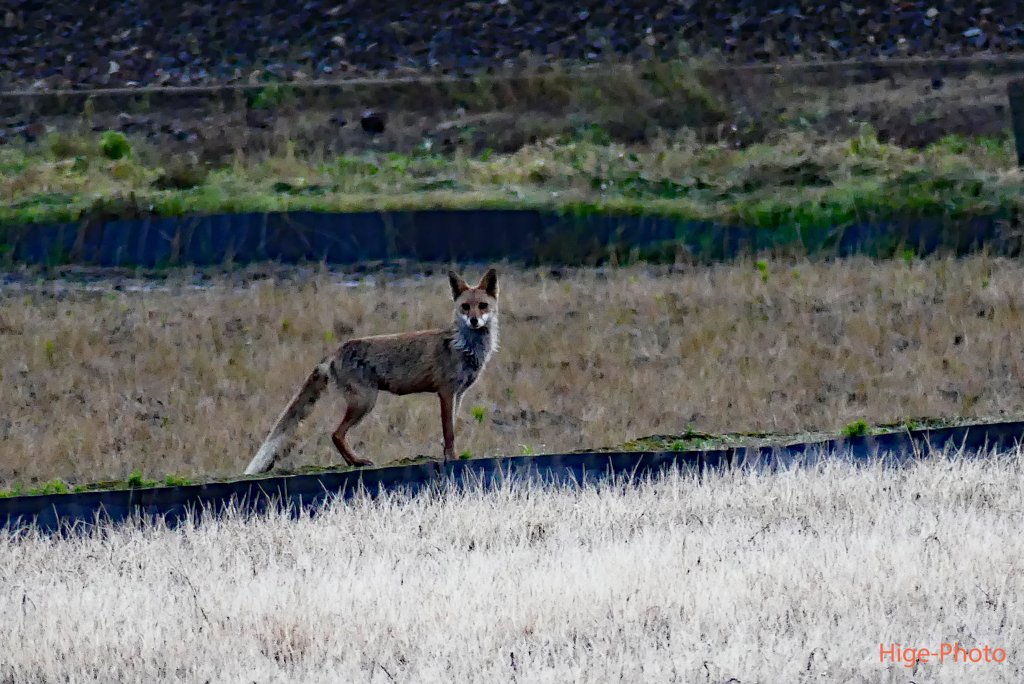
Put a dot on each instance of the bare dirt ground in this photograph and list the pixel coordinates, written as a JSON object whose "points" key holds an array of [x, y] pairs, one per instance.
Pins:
{"points": [[99, 383], [814, 574]]}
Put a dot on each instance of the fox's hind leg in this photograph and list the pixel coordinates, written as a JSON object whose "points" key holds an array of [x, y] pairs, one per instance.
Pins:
{"points": [[359, 400]]}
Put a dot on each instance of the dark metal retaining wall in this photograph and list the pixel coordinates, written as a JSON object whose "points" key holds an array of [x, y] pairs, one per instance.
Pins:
{"points": [[52, 512], [446, 236]]}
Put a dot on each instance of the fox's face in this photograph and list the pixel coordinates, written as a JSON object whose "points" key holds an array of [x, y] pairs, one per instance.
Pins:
{"points": [[476, 307]]}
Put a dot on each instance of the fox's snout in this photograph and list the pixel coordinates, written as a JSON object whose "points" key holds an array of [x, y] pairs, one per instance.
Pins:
{"points": [[476, 321]]}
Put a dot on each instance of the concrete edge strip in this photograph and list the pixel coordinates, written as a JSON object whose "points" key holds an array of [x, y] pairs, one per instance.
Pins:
{"points": [[56, 512]]}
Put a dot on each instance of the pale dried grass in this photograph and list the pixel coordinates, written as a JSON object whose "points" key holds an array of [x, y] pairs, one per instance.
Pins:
{"points": [[798, 576], [97, 385]]}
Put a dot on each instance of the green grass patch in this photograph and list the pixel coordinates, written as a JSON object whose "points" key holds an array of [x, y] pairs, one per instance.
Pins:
{"points": [[857, 428]]}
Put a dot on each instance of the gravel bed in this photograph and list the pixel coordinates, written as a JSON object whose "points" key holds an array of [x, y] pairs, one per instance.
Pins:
{"points": [[48, 45]]}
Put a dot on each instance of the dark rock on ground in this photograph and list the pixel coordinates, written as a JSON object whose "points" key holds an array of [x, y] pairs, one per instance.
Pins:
{"points": [[373, 122], [33, 131]]}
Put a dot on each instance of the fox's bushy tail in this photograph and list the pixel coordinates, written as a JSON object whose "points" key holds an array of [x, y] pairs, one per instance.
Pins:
{"points": [[299, 407]]}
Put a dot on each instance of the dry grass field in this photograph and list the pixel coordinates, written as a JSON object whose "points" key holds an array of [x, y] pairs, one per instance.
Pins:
{"points": [[798, 576], [99, 383]]}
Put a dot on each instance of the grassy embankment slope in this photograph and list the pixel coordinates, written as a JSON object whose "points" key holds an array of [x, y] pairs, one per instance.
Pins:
{"points": [[794, 158]]}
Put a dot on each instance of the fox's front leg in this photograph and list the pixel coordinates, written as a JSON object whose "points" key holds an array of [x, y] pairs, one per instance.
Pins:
{"points": [[448, 407], [457, 404]]}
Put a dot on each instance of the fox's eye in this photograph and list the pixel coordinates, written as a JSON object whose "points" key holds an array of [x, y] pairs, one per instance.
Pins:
{"points": [[483, 306], [465, 307]]}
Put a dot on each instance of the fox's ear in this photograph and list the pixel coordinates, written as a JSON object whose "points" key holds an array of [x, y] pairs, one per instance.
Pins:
{"points": [[458, 284], [489, 283]]}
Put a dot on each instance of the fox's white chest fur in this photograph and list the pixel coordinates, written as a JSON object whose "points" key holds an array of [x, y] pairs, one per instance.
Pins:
{"points": [[474, 348]]}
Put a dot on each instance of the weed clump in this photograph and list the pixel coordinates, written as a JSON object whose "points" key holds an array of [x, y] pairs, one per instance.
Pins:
{"points": [[136, 481], [181, 175], [176, 481], [63, 146], [857, 428], [114, 145]]}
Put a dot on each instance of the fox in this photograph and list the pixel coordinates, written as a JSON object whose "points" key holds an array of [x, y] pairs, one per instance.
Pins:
{"points": [[443, 362]]}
